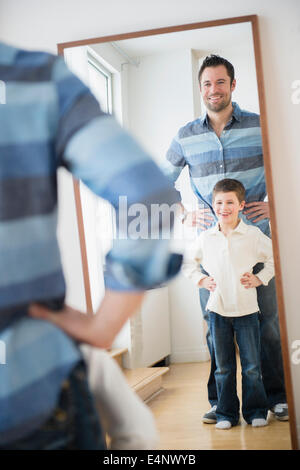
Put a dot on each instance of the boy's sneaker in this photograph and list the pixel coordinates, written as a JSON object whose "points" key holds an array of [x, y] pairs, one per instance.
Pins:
{"points": [[210, 417], [281, 411]]}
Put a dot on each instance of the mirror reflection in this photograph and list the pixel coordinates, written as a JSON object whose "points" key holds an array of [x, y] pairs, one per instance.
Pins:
{"points": [[198, 116]]}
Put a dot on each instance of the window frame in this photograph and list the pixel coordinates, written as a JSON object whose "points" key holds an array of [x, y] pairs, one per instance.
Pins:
{"points": [[103, 70]]}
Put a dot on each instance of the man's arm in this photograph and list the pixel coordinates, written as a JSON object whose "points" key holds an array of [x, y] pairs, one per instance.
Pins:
{"points": [[98, 330], [174, 164]]}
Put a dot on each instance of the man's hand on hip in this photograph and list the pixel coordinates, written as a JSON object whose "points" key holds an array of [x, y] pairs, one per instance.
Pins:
{"points": [[257, 210], [200, 218]]}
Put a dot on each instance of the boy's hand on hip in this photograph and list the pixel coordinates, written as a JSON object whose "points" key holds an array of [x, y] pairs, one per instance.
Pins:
{"points": [[208, 283], [249, 280]]}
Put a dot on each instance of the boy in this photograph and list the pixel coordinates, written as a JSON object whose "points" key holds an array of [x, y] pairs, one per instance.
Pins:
{"points": [[228, 252]]}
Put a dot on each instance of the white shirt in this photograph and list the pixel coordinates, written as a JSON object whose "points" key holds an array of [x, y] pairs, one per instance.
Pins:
{"points": [[226, 259]]}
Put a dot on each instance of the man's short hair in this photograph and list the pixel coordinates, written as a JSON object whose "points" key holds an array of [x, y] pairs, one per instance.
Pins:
{"points": [[214, 60], [229, 185]]}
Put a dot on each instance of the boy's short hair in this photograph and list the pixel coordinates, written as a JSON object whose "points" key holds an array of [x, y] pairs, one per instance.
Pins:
{"points": [[228, 185]]}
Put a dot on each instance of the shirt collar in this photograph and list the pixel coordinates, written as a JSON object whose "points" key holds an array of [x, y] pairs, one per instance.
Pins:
{"points": [[241, 228], [7, 53], [236, 114]]}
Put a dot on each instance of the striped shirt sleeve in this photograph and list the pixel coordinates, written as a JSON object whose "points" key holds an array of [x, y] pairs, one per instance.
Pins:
{"points": [[98, 151], [175, 160], [76, 106]]}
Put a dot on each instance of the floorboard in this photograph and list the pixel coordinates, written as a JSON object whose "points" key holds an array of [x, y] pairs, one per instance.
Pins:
{"points": [[178, 411]]}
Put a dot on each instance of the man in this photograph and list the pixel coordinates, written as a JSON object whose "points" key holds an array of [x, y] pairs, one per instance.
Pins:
{"points": [[50, 119], [226, 143]]}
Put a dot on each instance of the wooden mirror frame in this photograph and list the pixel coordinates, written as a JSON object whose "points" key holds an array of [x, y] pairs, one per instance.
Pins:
{"points": [[253, 19]]}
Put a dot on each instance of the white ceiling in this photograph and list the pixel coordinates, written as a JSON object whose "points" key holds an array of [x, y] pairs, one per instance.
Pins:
{"points": [[208, 40]]}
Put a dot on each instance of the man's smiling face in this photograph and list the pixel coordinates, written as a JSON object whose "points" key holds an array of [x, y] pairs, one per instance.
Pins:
{"points": [[216, 88]]}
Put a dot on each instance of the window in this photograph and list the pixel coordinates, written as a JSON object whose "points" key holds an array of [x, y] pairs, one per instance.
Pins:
{"points": [[100, 82]]}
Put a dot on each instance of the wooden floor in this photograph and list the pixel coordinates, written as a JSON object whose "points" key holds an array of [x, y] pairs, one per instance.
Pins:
{"points": [[178, 411]]}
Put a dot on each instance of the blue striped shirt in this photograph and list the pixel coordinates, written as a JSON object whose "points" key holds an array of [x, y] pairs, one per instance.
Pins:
{"points": [[236, 154], [49, 120]]}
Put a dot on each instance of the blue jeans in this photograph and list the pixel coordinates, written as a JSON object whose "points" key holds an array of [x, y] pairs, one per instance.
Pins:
{"points": [[271, 356], [254, 400], [74, 424]]}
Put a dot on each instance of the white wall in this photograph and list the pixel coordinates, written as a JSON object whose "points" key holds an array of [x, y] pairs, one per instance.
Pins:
{"points": [[159, 87], [36, 24], [160, 100]]}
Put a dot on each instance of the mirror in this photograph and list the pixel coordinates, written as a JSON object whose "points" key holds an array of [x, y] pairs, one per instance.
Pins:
{"points": [[148, 79]]}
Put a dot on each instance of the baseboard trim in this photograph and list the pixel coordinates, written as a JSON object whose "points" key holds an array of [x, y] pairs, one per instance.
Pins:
{"points": [[192, 355]]}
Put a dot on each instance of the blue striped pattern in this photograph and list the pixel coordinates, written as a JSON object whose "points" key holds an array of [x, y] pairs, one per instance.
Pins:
{"points": [[39, 357], [51, 119], [237, 154]]}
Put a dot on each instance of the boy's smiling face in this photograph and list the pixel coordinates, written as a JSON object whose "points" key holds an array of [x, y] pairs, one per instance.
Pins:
{"points": [[227, 207]]}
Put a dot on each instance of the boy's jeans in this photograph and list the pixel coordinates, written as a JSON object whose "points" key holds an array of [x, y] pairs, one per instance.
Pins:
{"points": [[254, 400], [271, 357]]}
